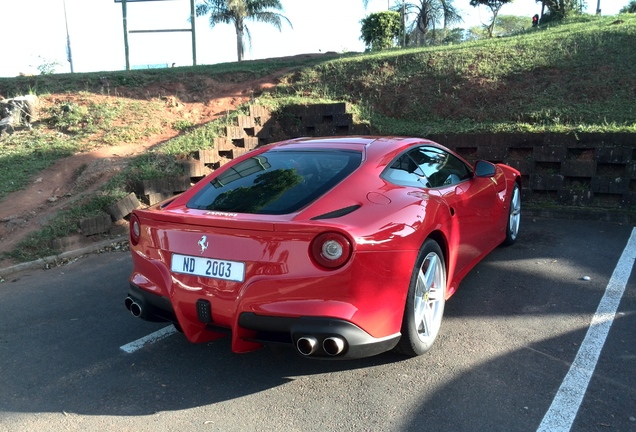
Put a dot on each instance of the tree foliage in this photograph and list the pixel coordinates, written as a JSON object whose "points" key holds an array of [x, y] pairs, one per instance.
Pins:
{"points": [[630, 8], [494, 6], [447, 36], [560, 9], [267, 187], [47, 66], [506, 25], [476, 33], [237, 12], [380, 30]]}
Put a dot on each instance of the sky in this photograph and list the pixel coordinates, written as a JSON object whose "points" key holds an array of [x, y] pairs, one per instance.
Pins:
{"points": [[35, 32]]}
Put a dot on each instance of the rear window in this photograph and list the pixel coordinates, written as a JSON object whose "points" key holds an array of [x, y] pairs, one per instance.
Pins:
{"points": [[276, 182]]}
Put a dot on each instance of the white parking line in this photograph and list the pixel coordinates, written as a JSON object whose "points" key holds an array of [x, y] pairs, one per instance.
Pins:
{"points": [[151, 338], [567, 401]]}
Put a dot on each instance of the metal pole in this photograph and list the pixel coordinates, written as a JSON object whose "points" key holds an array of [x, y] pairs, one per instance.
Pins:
{"points": [[404, 24], [598, 7], [124, 14], [69, 55], [194, 37]]}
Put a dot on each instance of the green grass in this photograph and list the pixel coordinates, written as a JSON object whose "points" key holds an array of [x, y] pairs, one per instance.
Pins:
{"points": [[192, 77], [573, 77], [25, 153], [69, 127]]}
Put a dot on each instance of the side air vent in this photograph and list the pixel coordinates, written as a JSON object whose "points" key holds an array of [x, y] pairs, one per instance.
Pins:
{"points": [[337, 213], [166, 204]]}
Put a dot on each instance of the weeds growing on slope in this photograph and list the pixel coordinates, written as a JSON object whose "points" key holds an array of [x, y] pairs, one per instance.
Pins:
{"points": [[573, 77]]}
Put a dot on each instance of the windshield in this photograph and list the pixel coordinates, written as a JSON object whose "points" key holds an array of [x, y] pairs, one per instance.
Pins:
{"points": [[277, 181]]}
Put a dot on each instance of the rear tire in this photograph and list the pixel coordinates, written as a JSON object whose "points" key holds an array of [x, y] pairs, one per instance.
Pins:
{"points": [[424, 302]]}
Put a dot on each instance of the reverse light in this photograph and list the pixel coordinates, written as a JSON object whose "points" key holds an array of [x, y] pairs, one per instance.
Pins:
{"points": [[135, 229], [331, 250]]}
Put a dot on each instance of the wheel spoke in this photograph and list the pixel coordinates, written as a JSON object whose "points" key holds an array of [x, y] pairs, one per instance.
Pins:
{"points": [[515, 213], [430, 272], [429, 292], [420, 302], [425, 305], [427, 319]]}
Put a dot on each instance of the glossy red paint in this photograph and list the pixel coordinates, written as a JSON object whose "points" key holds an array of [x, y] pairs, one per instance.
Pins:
{"points": [[282, 279]]}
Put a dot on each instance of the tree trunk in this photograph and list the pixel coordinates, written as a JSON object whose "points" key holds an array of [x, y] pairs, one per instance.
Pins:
{"points": [[491, 27], [239, 40], [542, 9]]}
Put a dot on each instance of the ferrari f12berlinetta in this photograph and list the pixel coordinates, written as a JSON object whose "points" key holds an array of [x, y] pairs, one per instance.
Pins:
{"points": [[340, 247]]}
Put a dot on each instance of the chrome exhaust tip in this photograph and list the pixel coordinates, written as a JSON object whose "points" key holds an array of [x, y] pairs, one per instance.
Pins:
{"points": [[134, 307], [128, 302], [307, 345], [333, 345]]}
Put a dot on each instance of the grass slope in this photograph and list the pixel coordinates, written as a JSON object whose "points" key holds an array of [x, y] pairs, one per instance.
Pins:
{"points": [[577, 76], [580, 76]]}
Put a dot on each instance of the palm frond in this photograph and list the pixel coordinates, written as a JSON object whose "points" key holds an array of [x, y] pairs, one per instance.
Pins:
{"points": [[238, 11]]}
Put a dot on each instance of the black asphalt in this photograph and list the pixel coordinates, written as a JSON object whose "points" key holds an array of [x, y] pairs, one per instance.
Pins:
{"points": [[509, 336]]}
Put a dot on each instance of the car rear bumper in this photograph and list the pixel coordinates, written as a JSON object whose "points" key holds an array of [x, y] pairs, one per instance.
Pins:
{"points": [[148, 306], [317, 337], [314, 337]]}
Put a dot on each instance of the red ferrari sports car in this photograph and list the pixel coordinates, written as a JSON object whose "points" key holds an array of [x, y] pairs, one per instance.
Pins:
{"points": [[340, 247]]}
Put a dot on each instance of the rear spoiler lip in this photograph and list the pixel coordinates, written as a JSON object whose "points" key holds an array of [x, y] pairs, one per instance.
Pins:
{"points": [[234, 221]]}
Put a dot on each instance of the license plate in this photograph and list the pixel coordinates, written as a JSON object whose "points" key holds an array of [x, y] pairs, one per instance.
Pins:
{"points": [[208, 267]]}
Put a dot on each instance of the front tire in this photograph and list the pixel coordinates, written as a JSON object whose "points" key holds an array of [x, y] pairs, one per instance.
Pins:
{"points": [[425, 301], [514, 217]]}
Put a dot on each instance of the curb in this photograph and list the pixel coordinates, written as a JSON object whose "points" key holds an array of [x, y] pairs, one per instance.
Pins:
{"points": [[42, 262], [579, 213]]}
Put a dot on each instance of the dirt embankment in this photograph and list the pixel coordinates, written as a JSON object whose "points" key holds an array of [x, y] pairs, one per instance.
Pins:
{"points": [[25, 211]]}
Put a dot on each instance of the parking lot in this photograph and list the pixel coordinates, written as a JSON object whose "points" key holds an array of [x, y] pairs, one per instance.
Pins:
{"points": [[512, 336]]}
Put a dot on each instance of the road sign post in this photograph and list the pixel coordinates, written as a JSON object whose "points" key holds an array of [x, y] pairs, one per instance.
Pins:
{"points": [[192, 29]]}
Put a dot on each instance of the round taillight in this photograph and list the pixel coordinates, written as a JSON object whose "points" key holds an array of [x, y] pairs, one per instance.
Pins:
{"points": [[135, 229], [331, 250]]}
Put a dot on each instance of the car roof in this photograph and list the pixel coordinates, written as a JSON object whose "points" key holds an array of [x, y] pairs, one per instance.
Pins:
{"points": [[372, 146]]}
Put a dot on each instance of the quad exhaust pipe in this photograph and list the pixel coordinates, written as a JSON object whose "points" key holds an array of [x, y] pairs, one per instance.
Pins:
{"points": [[134, 307], [332, 346], [307, 345]]}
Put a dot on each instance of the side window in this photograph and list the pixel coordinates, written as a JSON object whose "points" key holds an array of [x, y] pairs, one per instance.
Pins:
{"points": [[405, 172], [440, 167]]}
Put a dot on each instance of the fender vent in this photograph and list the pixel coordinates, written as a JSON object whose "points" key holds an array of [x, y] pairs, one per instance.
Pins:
{"points": [[337, 213]]}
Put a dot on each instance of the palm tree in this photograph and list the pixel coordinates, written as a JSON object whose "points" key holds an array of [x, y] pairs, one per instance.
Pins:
{"points": [[238, 11], [450, 13], [427, 14]]}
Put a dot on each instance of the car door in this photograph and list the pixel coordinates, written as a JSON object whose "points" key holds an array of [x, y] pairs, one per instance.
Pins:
{"points": [[470, 199]]}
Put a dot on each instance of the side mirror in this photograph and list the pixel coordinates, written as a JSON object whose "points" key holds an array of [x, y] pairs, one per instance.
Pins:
{"points": [[484, 169]]}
